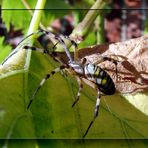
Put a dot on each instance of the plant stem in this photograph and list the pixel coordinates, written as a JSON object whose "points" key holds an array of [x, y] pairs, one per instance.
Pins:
{"points": [[31, 11], [83, 28], [36, 16], [21, 58], [27, 7], [34, 26], [100, 29], [146, 27], [35, 22]]}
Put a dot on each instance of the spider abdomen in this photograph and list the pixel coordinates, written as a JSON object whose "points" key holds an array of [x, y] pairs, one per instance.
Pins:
{"points": [[100, 77]]}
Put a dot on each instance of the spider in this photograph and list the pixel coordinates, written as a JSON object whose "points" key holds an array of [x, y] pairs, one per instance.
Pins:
{"points": [[79, 68]]}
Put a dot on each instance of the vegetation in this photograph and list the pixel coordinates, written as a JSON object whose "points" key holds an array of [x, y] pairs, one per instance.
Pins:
{"points": [[51, 115]]}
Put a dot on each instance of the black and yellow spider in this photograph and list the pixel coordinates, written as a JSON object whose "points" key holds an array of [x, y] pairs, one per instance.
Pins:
{"points": [[80, 69]]}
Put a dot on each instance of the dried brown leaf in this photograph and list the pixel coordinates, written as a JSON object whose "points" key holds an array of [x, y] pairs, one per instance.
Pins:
{"points": [[132, 66]]}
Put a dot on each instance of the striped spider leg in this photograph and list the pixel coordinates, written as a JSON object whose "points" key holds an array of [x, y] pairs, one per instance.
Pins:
{"points": [[44, 80], [75, 47], [95, 112], [94, 74], [16, 50], [44, 50], [79, 80], [44, 39], [91, 72]]}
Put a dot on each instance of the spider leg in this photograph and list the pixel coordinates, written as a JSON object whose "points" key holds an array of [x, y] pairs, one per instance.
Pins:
{"points": [[16, 50], [95, 112], [75, 47], [79, 91], [43, 81], [34, 33], [65, 47], [45, 51], [39, 32]]}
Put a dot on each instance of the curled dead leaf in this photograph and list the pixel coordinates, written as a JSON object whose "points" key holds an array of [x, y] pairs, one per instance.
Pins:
{"points": [[132, 57]]}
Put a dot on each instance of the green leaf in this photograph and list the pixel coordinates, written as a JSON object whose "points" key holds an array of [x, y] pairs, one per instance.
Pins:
{"points": [[13, 15], [139, 101], [56, 4], [84, 4], [15, 143], [51, 114], [90, 40], [4, 49], [146, 27], [53, 11], [20, 19], [12, 112]]}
